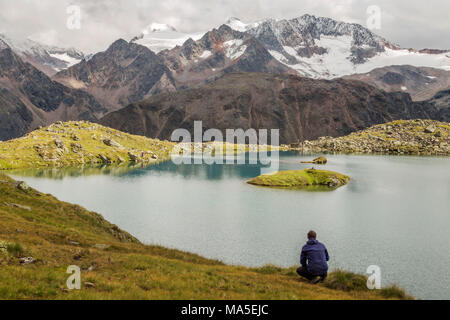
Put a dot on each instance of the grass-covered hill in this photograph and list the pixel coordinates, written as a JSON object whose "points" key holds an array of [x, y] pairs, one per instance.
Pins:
{"points": [[41, 236], [77, 143], [414, 137]]}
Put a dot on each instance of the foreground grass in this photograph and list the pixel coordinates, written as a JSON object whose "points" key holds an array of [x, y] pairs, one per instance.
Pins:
{"points": [[116, 266]]}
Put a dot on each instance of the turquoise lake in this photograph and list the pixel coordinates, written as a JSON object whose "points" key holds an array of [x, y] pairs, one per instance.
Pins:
{"points": [[395, 213]]}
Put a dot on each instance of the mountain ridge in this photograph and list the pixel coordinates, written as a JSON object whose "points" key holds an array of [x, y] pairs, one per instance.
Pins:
{"points": [[301, 108]]}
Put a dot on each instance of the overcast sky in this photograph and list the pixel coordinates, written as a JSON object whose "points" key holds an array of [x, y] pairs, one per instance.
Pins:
{"points": [[409, 23]]}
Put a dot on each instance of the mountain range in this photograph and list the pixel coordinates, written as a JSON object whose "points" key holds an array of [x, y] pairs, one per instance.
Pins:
{"points": [[315, 47], [302, 108], [368, 78]]}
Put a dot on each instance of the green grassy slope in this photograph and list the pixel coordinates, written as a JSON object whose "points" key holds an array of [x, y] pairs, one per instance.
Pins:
{"points": [[77, 143]]}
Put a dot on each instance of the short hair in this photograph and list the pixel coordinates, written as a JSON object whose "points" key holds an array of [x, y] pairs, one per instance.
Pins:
{"points": [[312, 234]]}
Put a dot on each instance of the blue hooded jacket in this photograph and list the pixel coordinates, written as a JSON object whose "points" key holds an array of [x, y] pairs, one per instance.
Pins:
{"points": [[314, 257]]}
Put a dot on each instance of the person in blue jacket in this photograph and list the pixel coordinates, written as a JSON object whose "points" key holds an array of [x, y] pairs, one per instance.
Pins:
{"points": [[313, 260]]}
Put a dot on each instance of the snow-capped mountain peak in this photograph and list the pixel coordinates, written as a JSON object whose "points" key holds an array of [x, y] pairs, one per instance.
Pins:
{"points": [[238, 25], [321, 47]]}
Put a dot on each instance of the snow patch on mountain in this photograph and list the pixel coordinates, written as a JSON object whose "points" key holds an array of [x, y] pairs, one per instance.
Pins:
{"points": [[405, 57], [69, 60], [206, 54], [336, 62], [234, 48]]}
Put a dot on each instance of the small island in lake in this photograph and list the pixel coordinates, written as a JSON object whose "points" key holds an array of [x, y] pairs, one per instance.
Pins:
{"points": [[301, 179], [319, 160]]}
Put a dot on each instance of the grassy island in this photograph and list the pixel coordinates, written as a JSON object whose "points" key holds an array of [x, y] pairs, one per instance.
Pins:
{"points": [[301, 179]]}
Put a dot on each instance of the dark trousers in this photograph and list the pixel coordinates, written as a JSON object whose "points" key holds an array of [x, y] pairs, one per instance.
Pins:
{"points": [[302, 272]]}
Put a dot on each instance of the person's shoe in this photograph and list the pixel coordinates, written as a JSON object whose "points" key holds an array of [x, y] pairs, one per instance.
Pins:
{"points": [[316, 280]]}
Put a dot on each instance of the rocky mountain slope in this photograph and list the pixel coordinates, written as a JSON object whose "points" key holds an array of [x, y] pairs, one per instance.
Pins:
{"points": [[426, 137], [29, 98], [301, 108], [421, 83], [48, 59], [441, 101], [124, 73], [219, 51]]}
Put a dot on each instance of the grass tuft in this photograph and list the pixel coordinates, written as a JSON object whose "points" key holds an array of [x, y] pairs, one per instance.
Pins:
{"points": [[346, 281], [394, 292], [15, 249]]}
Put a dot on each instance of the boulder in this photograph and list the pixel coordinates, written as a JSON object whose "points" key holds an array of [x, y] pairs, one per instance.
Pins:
{"points": [[76, 147], [111, 143], [430, 129], [59, 143], [101, 246], [22, 185], [26, 260], [133, 157], [104, 159]]}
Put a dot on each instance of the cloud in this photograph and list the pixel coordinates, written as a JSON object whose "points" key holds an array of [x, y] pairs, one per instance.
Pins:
{"points": [[413, 23]]}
